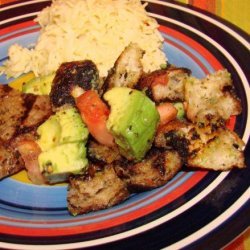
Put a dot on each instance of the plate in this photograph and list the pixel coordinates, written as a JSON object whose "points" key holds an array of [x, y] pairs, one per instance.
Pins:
{"points": [[196, 209]]}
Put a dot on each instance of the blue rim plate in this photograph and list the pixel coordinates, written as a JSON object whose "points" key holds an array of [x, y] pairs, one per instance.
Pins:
{"points": [[196, 209]]}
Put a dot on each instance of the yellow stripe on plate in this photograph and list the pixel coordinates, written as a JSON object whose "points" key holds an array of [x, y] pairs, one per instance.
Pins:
{"points": [[18, 82]]}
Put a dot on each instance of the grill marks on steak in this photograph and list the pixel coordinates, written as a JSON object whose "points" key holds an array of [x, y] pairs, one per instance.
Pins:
{"points": [[37, 113], [10, 160], [20, 115], [12, 111]]}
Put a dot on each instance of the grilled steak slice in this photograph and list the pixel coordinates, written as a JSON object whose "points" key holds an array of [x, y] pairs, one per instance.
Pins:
{"points": [[12, 110], [102, 154], [39, 112], [94, 192], [20, 114], [165, 85], [154, 171], [10, 160]]}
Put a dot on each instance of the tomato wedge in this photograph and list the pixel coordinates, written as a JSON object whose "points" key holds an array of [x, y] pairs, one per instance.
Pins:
{"points": [[94, 113], [167, 112], [30, 151], [161, 79]]}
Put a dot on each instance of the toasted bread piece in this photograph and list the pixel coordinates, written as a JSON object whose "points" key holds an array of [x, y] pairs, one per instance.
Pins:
{"points": [[165, 84], [154, 171], [12, 110], [207, 147], [211, 99], [94, 192], [102, 154], [223, 151], [127, 69]]}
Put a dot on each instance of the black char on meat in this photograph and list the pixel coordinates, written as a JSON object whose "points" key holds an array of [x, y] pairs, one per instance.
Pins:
{"points": [[20, 115]]}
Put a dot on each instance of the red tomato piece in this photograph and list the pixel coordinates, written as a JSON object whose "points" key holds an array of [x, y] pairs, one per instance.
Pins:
{"points": [[94, 113], [160, 80], [30, 151], [167, 112]]}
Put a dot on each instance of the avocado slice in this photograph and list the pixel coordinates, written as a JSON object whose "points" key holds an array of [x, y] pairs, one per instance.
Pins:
{"points": [[58, 163], [73, 128], [63, 127], [39, 85], [133, 121], [49, 133], [62, 139]]}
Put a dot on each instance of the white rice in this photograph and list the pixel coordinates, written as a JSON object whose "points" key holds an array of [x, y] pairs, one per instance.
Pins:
{"points": [[88, 29]]}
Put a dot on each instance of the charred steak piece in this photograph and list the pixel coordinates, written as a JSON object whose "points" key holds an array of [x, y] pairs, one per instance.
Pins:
{"points": [[14, 107], [21, 112], [10, 160], [20, 115], [154, 171], [96, 191], [39, 112]]}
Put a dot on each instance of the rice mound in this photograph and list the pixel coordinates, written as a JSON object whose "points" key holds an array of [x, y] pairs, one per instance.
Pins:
{"points": [[88, 29]]}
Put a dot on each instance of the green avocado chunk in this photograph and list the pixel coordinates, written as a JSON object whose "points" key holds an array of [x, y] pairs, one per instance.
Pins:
{"points": [[62, 139], [133, 121], [180, 110], [63, 127], [57, 163], [49, 133], [39, 85]]}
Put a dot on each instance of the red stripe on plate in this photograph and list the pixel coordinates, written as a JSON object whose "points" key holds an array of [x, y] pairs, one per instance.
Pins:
{"points": [[195, 45], [16, 27], [19, 34], [201, 65]]}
